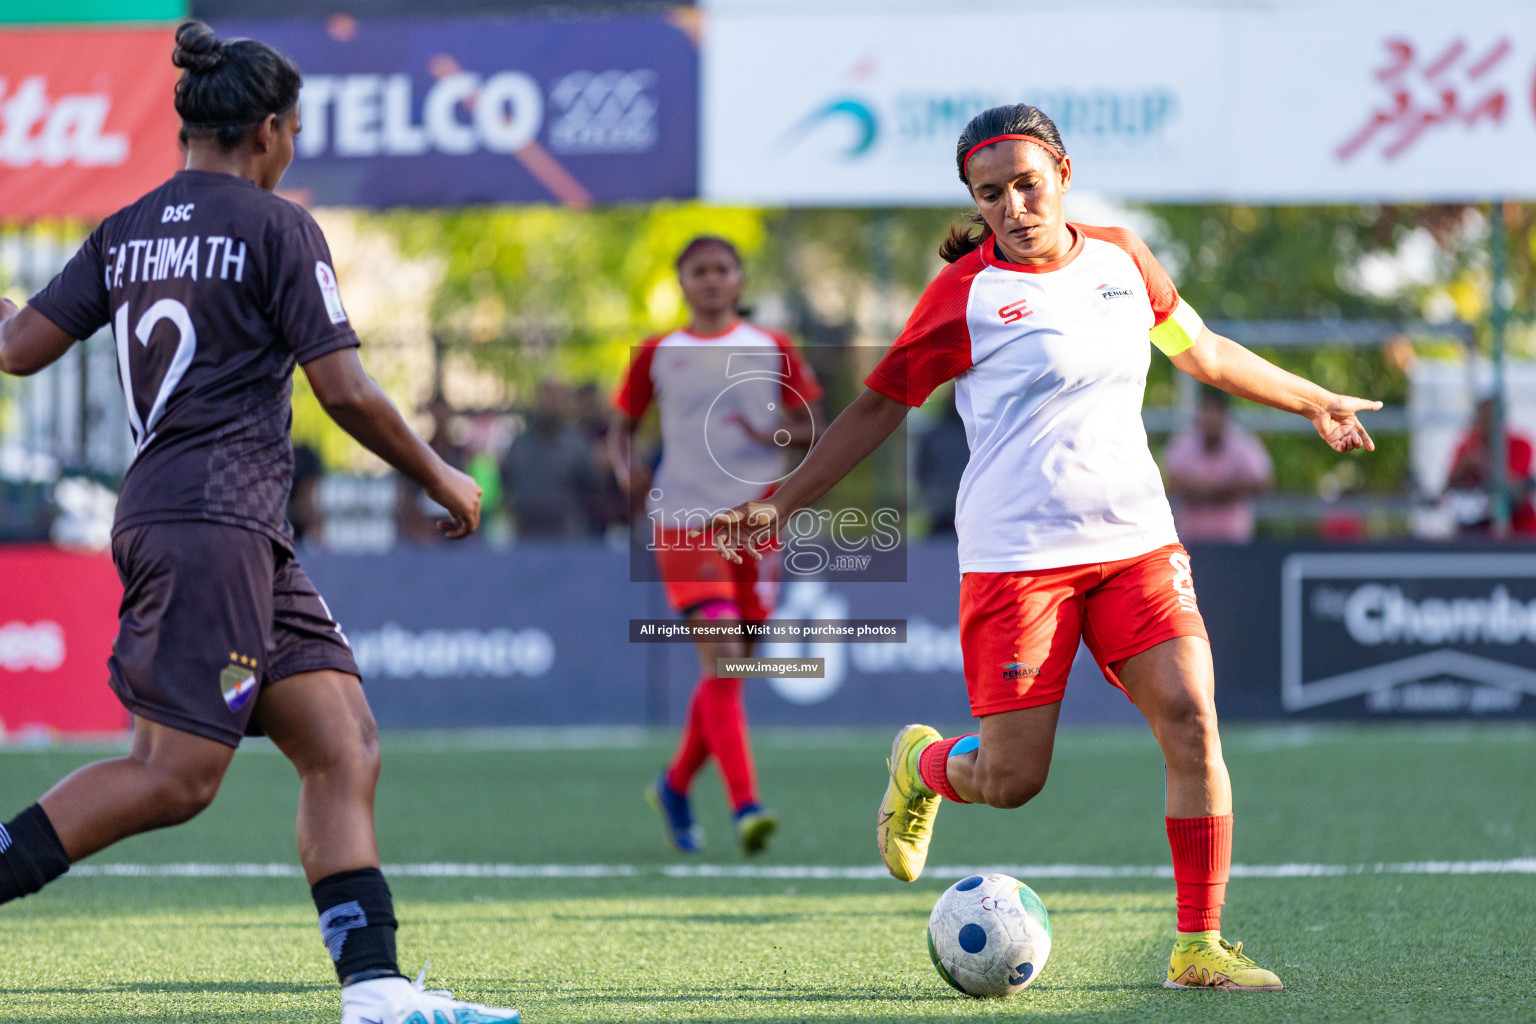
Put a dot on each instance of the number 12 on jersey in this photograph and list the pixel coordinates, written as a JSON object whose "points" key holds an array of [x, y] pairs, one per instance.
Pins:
{"points": [[186, 348]]}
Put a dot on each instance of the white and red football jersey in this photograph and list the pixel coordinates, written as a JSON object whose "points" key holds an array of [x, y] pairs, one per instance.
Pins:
{"points": [[1050, 365], [705, 389]]}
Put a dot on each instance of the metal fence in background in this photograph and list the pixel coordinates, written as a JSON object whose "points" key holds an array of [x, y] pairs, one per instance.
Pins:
{"points": [[68, 420]]}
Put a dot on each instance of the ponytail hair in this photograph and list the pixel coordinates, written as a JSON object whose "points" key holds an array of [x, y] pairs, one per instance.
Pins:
{"points": [[228, 86], [1009, 119]]}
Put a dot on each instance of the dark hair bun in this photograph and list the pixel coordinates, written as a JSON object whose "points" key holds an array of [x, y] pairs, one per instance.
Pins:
{"points": [[198, 49]]}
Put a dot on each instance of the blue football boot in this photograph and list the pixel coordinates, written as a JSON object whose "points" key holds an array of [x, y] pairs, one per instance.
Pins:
{"points": [[676, 816]]}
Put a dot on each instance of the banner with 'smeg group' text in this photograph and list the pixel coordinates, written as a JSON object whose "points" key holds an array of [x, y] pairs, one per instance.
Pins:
{"points": [[1284, 104]]}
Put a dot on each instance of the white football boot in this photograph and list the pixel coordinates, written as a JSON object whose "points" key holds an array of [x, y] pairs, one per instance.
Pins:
{"points": [[398, 1001]]}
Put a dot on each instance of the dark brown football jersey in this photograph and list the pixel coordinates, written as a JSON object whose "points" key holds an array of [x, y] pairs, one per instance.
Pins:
{"points": [[215, 290]]}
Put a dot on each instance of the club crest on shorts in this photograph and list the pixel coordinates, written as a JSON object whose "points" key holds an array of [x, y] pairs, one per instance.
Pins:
{"points": [[238, 680], [1016, 670]]}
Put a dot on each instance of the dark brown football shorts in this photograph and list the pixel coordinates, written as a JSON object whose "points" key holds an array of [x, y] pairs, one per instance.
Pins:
{"points": [[211, 615]]}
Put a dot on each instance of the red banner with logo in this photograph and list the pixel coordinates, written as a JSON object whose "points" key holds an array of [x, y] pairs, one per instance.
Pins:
{"points": [[86, 120], [58, 616]]}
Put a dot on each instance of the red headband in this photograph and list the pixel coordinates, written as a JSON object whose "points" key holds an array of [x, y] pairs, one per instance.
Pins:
{"points": [[966, 163]]}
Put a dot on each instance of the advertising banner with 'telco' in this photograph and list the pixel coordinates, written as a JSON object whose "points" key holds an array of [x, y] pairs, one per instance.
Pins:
{"points": [[86, 122], [1283, 104], [401, 112]]}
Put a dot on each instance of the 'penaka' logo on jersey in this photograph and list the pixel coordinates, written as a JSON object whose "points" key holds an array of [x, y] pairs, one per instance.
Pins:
{"points": [[1015, 311], [38, 129]]}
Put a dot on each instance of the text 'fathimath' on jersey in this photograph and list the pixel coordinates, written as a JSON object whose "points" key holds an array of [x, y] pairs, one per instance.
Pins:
{"points": [[215, 289]]}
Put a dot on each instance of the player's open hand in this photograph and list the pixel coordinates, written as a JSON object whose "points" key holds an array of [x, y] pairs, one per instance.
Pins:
{"points": [[1337, 424], [460, 495], [750, 527]]}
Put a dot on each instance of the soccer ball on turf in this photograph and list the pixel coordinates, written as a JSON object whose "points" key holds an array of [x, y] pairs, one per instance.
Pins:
{"points": [[989, 935]]}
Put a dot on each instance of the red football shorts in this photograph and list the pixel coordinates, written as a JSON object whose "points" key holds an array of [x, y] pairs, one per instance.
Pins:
{"points": [[693, 573], [1019, 631]]}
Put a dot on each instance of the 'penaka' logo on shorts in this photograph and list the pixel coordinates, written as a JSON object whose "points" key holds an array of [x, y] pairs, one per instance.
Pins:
{"points": [[1016, 670], [37, 129], [35, 647]]}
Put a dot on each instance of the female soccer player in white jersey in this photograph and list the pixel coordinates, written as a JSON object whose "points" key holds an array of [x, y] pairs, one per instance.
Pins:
{"points": [[1064, 529], [733, 398], [215, 289]]}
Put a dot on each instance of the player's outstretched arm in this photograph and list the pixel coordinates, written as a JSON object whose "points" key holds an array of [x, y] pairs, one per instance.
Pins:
{"points": [[29, 341], [361, 408], [859, 430], [1223, 363]]}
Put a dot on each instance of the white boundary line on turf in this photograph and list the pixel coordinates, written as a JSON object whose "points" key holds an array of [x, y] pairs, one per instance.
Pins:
{"points": [[1518, 866]]}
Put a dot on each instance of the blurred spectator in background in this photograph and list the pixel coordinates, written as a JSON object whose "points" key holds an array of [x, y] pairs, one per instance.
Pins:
{"points": [[304, 499], [1214, 470], [548, 473], [486, 443], [607, 506], [1470, 484], [416, 515], [942, 453]]}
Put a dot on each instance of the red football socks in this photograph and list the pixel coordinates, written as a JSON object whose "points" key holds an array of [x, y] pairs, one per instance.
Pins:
{"points": [[717, 725], [933, 767], [1202, 862]]}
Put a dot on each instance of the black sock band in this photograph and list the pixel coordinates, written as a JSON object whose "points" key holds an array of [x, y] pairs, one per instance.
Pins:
{"points": [[357, 923], [31, 855]]}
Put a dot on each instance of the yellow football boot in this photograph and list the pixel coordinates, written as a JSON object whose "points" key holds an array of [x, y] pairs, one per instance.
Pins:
{"points": [[904, 825], [1206, 960]]}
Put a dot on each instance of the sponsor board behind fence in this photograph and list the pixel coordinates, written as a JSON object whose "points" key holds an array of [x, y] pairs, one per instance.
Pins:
{"points": [[58, 614], [869, 115], [556, 635], [1422, 633], [443, 112], [550, 635], [86, 122]]}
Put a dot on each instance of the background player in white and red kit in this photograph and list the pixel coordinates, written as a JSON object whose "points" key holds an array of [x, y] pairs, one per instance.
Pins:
{"points": [[1065, 533], [735, 401]]}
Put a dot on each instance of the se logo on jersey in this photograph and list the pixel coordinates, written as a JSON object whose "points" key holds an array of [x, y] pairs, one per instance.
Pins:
{"points": [[1015, 311], [328, 290]]}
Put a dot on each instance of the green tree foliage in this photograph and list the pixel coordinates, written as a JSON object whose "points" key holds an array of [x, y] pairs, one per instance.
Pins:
{"points": [[1293, 263], [533, 292], [544, 291]]}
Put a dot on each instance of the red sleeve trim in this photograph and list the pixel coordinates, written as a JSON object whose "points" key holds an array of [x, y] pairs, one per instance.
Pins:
{"points": [[935, 346], [802, 382], [634, 394], [1160, 290]]}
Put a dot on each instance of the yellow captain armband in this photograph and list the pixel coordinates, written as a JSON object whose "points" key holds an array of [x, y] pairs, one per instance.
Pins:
{"points": [[1178, 333]]}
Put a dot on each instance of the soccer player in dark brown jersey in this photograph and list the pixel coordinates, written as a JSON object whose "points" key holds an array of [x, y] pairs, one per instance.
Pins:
{"points": [[215, 289]]}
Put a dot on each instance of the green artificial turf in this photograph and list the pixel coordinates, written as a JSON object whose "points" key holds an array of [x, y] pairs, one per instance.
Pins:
{"points": [[647, 946]]}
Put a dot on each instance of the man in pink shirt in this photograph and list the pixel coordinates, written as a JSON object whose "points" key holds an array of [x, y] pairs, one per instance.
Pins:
{"points": [[1214, 470]]}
